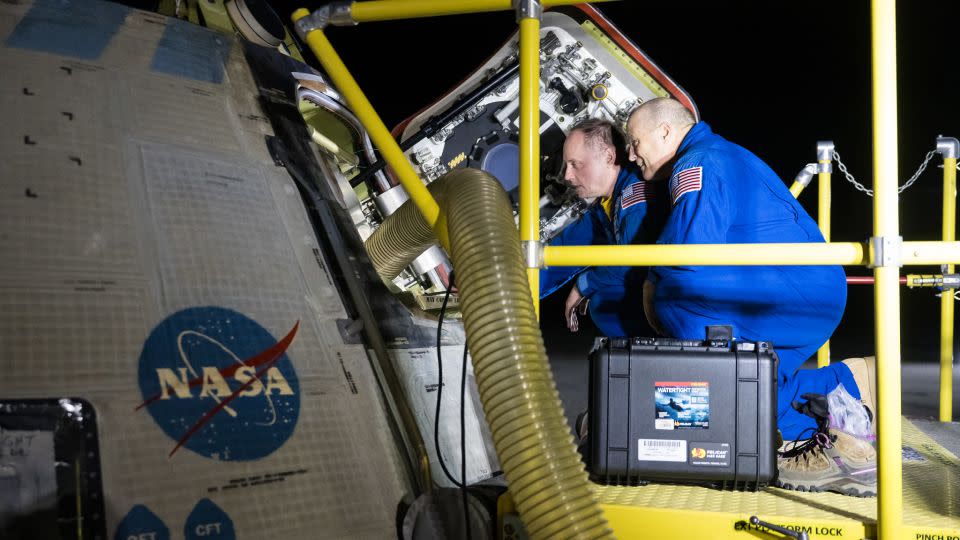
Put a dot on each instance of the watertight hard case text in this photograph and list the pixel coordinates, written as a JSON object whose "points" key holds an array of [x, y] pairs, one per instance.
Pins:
{"points": [[682, 411]]}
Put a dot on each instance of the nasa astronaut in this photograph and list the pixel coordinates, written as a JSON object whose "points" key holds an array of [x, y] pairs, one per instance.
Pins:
{"points": [[691, 186], [626, 210], [720, 193]]}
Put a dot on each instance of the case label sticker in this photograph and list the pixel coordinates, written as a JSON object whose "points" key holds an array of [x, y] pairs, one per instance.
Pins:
{"points": [[710, 454], [682, 405], [661, 450]]}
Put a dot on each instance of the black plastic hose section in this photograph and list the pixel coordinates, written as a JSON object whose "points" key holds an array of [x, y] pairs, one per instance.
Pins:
{"points": [[544, 473]]}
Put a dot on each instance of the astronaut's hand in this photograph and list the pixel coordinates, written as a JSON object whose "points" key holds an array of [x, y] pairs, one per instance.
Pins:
{"points": [[576, 302]]}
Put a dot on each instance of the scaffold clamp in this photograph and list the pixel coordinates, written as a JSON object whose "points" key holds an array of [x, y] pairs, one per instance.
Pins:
{"points": [[886, 251], [825, 156], [949, 147], [528, 9], [532, 253]]}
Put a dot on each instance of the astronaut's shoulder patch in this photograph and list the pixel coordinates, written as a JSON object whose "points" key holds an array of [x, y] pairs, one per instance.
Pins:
{"points": [[635, 193], [685, 181]]}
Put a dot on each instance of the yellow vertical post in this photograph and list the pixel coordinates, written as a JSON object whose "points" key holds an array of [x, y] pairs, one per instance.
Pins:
{"points": [[824, 170], [528, 15], [886, 244], [948, 147]]}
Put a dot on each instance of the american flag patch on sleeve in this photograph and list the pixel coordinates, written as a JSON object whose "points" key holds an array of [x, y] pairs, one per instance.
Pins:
{"points": [[633, 194], [686, 181]]}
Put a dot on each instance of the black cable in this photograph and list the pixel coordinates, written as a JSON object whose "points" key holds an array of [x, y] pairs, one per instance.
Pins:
{"points": [[463, 441], [436, 417]]}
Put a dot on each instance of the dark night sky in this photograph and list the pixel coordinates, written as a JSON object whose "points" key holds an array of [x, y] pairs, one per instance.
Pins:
{"points": [[774, 78]]}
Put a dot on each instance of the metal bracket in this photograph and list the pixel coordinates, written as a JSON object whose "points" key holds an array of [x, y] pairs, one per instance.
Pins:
{"points": [[886, 251], [528, 9], [532, 253], [805, 176], [341, 13], [949, 147], [950, 281], [825, 156], [335, 13]]}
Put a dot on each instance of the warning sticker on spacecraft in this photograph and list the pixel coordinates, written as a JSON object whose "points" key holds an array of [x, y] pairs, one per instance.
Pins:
{"points": [[219, 384], [682, 405]]}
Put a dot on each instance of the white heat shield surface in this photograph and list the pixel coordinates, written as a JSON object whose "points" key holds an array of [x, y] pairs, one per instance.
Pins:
{"points": [[159, 265]]}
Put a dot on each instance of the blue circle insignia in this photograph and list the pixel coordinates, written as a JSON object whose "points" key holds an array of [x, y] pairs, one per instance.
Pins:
{"points": [[219, 384]]}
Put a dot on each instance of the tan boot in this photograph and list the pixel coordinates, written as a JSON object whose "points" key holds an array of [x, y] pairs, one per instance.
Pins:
{"points": [[864, 372], [831, 460], [836, 462]]}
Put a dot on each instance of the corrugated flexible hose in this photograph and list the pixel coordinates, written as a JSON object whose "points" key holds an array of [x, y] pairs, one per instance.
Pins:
{"points": [[544, 473], [402, 237]]}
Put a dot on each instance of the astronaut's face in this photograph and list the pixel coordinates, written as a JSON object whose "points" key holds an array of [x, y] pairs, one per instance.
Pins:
{"points": [[591, 171], [650, 146]]}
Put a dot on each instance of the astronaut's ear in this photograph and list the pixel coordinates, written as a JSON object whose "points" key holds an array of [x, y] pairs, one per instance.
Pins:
{"points": [[610, 155], [664, 129]]}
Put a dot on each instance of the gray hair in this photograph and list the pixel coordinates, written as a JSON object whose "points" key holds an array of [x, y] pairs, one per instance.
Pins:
{"points": [[599, 134], [666, 110]]}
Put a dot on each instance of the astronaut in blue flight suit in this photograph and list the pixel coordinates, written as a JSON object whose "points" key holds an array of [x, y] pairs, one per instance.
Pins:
{"points": [[721, 193], [627, 210]]}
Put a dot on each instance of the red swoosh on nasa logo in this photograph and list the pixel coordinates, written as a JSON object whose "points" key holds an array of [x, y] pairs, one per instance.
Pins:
{"points": [[267, 358]]}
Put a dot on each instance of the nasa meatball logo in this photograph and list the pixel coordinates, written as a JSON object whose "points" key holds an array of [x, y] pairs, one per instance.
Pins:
{"points": [[219, 384]]}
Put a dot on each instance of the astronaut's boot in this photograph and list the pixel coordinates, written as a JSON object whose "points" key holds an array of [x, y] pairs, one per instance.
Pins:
{"points": [[831, 460]]}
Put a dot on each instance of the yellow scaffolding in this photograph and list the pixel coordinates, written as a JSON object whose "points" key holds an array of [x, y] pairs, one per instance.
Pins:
{"points": [[824, 168], [885, 251], [949, 149], [530, 150], [886, 239]]}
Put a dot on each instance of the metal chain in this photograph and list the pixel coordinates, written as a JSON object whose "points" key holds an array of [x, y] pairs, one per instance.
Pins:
{"points": [[868, 191], [850, 178]]}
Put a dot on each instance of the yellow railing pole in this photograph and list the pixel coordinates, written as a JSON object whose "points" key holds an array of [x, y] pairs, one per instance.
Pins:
{"points": [[948, 147], [796, 188], [824, 169], [886, 241], [529, 20], [805, 254], [913, 253], [386, 10], [925, 253], [378, 132], [803, 179]]}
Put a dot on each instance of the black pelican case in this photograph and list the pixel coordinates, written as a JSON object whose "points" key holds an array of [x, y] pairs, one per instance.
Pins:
{"points": [[682, 411]]}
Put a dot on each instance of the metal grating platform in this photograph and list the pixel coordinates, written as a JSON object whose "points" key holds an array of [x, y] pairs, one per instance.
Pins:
{"points": [[931, 504]]}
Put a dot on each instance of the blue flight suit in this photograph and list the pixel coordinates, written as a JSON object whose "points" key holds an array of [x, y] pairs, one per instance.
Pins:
{"points": [[638, 211], [723, 194]]}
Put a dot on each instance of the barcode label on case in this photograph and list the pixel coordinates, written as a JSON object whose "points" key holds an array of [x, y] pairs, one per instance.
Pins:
{"points": [[661, 450]]}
